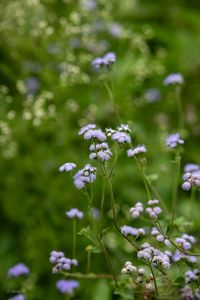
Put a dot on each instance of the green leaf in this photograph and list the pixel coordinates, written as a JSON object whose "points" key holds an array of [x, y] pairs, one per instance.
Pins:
{"points": [[102, 291]]}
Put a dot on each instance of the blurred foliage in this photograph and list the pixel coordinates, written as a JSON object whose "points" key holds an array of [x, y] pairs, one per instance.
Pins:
{"points": [[48, 90]]}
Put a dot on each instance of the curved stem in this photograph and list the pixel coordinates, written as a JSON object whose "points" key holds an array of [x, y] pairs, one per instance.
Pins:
{"points": [[141, 169], [154, 278]]}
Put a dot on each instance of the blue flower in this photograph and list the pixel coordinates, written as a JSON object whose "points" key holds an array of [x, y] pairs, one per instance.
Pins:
{"points": [[174, 79], [18, 270], [173, 140], [67, 286], [67, 167], [74, 213]]}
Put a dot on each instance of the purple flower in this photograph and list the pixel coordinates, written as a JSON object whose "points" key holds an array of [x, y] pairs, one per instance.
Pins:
{"points": [[67, 286], [95, 134], [86, 128], [32, 85], [61, 262], [67, 167], [74, 213], [152, 95], [137, 150], [115, 30], [18, 270], [121, 137], [190, 168], [173, 79], [173, 140], [191, 179], [17, 297], [97, 62], [107, 60], [187, 293], [85, 176]]}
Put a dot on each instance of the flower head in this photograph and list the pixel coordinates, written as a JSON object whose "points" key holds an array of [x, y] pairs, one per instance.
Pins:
{"points": [[137, 150], [86, 128], [84, 176], [18, 270], [174, 79], [74, 213], [67, 286], [173, 140], [67, 167], [17, 297], [121, 137]]}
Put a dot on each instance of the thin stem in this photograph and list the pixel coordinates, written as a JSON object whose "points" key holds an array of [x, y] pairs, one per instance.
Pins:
{"points": [[175, 190], [87, 276], [158, 196], [88, 261], [114, 214], [154, 278], [140, 167], [192, 201], [115, 161], [159, 227], [101, 206], [110, 93], [74, 239], [179, 108], [103, 248]]}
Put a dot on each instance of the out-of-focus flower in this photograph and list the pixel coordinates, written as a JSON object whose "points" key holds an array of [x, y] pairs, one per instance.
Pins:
{"points": [[173, 140], [137, 150], [67, 167], [67, 286], [74, 213], [152, 95], [18, 270], [174, 79]]}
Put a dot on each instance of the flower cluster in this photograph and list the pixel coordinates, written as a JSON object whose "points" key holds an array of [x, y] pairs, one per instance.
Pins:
{"points": [[84, 176], [129, 230], [120, 135], [107, 60], [91, 132], [18, 270], [67, 286], [191, 179], [173, 140], [69, 166], [191, 291], [137, 150], [100, 151], [191, 276], [178, 256], [160, 237], [158, 258], [154, 211], [186, 241], [174, 79], [137, 210], [61, 262], [74, 213], [139, 274], [17, 297]]}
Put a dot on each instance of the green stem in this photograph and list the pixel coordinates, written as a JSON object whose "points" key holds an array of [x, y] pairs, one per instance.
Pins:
{"points": [[88, 261], [141, 169], [192, 201], [87, 276], [74, 239], [179, 108], [114, 214], [103, 248], [101, 206], [154, 278], [175, 190], [159, 227], [110, 93]]}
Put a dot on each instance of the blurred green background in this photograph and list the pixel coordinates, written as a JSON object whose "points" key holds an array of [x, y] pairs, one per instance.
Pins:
{"points": [[49, 90]]}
